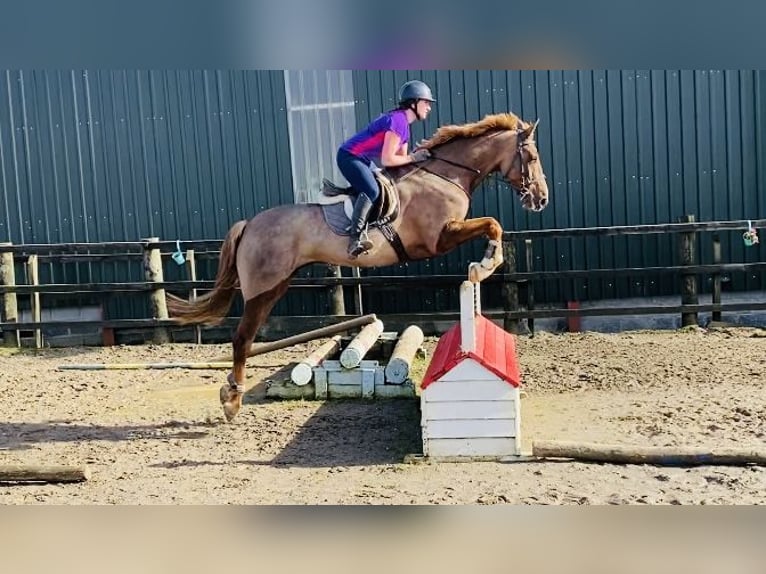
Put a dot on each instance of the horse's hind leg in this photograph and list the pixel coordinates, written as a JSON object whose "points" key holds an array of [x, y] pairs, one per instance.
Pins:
{"points": [[256, 311]]}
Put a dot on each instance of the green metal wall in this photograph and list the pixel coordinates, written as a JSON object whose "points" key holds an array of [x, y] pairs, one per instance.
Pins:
{"points": [[99, 156], [619, 148], [121, 155]]}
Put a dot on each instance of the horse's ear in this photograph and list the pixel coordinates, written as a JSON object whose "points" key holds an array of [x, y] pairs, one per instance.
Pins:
{"points": [[530, 130]]}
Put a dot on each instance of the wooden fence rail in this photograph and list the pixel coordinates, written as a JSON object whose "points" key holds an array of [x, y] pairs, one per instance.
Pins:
{"points": [[517, 284]]}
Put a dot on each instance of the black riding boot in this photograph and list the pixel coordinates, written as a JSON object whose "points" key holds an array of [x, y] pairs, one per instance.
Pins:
{"points": [[360, 243]]}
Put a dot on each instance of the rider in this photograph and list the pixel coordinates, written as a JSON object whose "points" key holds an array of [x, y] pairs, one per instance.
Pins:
{"points": [[383, 143]]}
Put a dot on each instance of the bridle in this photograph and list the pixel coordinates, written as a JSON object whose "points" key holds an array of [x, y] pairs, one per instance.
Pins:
{"points": [[526, 178]]}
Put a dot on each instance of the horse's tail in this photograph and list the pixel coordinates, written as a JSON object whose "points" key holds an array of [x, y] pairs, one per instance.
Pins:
{"points": [[210, 308]]}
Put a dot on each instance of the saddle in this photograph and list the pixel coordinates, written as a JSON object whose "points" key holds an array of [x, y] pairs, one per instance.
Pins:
{"points": [[385, 210]]}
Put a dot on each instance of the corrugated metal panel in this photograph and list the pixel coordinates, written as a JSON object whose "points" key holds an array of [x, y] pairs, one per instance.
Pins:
{"points": [[98, 156], [116, 155], [121, 155], [619, 147]]}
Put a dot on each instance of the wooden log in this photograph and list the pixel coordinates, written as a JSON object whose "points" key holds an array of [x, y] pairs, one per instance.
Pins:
{"points": [[398, 367], [10, 310], [154, 274], [662, 456], [22, 473], [260, 348], [211, 365], [303, 372], [353, 354]]}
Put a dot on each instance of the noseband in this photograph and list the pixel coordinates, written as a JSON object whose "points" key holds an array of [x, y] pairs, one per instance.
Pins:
{"points": [[526, 179]]}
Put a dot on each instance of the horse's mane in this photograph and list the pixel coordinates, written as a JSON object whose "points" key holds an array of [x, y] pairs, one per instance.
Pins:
{"points": [[507, 121]]}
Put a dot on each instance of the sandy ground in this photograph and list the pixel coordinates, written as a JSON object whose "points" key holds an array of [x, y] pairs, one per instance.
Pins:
{"points": [[158, 436]]}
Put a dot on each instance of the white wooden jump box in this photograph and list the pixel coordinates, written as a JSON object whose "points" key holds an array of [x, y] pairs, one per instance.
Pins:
{"points": [[470, 403]]}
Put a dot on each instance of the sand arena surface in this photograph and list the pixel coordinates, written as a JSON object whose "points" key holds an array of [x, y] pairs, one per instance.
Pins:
{"points": [[158, 436]]}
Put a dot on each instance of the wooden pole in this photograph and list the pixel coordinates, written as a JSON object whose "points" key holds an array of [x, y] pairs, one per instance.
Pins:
{"points": [[260, 348], [191, 265], [10, 310], [337, 303], [33, 274], [212, 365], [153, 272], [687, 256], [303, 372], [398, 368], [716, 276], [21, 473], [467, 317], [355, 351], [663, 456], [510, 289]]}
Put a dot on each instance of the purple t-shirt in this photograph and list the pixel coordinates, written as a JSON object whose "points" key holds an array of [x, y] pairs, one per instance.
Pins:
{"points": [[368, 143]]}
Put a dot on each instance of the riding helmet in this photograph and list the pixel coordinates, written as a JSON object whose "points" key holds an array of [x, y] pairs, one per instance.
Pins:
{"points": [[415, 90]]}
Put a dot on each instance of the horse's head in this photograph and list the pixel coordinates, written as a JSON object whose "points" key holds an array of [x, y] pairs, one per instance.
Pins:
{"points": [[491, 138], [524, 170]]}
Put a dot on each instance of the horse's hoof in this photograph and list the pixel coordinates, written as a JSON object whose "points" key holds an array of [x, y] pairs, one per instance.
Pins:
{"points": [[223, 394], [474, 273], [230, 410], [231, 407]]}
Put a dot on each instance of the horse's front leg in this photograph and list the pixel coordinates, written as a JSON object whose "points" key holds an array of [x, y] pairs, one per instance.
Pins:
{"points": [[458, 232]]}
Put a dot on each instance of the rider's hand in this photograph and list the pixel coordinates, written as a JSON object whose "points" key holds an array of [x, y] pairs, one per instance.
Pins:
{"points": [[420, 155]]}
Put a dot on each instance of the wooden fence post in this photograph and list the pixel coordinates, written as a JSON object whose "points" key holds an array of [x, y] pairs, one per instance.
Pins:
{"points": [[153, 272], [716, 276], [191, 265], [530, 263], [337, 304], [358, 310], [687, 256], [33, 275], [10, 310], [510, 289]]}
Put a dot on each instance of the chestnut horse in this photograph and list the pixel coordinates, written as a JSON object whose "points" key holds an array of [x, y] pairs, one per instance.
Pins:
{"points": [[259, 256]]}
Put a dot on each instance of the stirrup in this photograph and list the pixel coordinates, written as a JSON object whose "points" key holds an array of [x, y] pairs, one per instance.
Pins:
{"points": [[361, 245]]}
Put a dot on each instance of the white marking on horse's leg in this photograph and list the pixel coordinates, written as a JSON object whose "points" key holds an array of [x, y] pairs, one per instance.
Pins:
{"points": [[493, 255]]}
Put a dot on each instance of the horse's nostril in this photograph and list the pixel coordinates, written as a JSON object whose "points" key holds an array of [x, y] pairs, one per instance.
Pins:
{"points": [[543, 202]]}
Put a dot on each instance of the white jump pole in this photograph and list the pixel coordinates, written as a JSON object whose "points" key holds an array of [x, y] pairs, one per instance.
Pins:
{"points": [[470, 306]]}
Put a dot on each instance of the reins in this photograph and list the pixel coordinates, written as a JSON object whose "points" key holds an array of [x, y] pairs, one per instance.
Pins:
{"points": [[456, 164], [526, 179]]}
